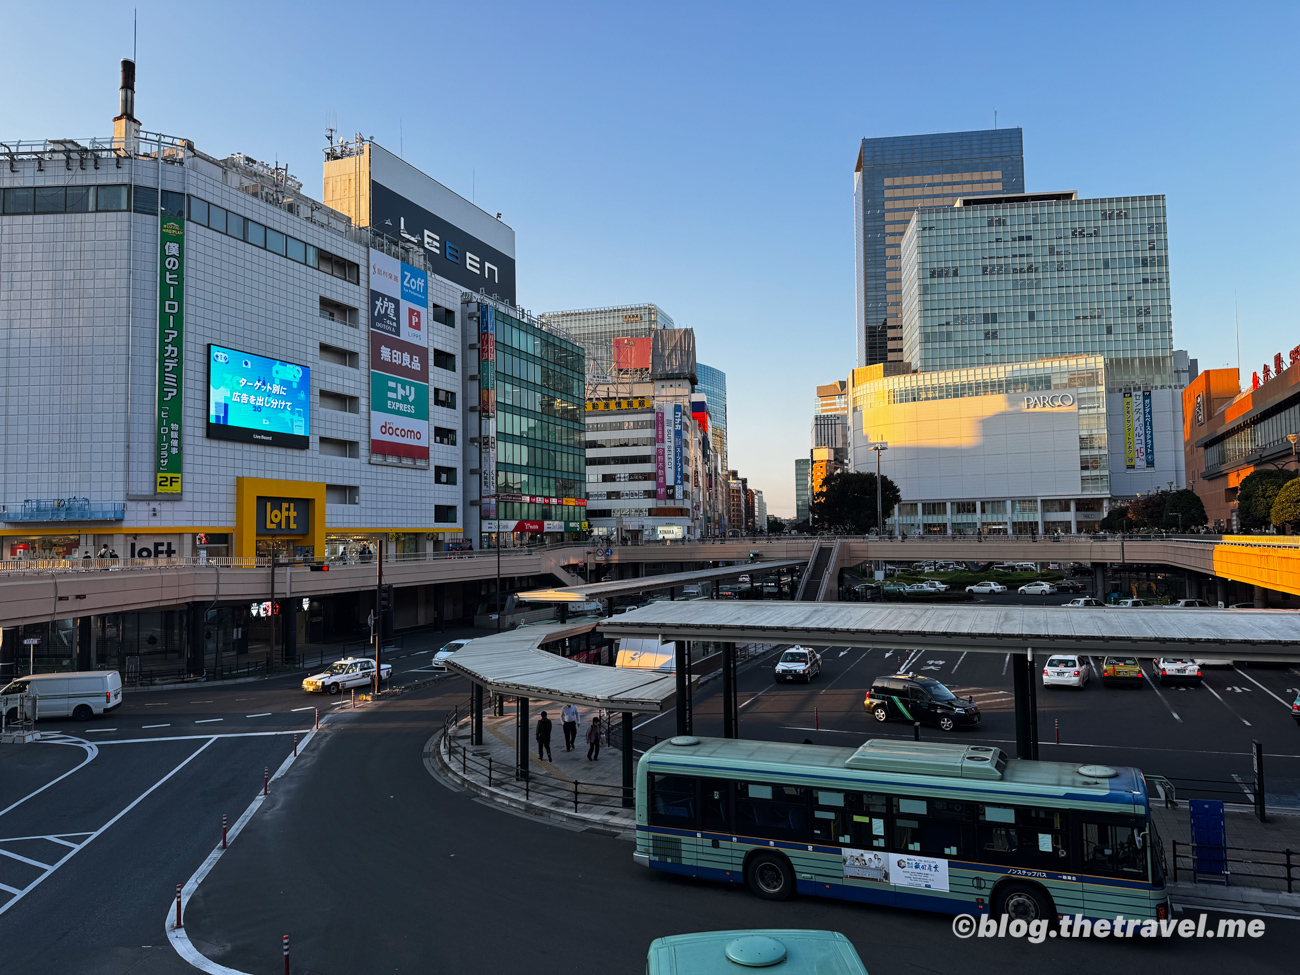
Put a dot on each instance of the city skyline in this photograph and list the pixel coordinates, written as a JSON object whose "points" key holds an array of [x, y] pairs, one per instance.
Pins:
{"points": [[721, 221]]}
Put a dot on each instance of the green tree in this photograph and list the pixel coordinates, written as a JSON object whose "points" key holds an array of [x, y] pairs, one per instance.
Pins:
{"points": [[1183, 510], [775, 525], [1148, 510], [847, 502], [1117, 519], [1256, 495], [1286, 506]]}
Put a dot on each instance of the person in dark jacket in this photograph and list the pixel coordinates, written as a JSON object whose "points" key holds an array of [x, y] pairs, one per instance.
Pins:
{"points": [[543, 736], [593, 740]]}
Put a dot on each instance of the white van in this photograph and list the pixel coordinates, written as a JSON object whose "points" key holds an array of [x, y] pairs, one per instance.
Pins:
{"points": [[81, 694]]}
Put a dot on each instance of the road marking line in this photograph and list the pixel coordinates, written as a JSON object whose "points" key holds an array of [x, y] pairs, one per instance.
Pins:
{"points": [[1285, 704], [959, 660], [203, 702], [1004, 665], [91, 838], [12, 890], [755, 697], [168, 725], [209, 720], [177, 936], [15, 856], [98, 731], [90, 750], [308, 708], [1237, 779], [846, 671], [55, 839], [1225, 703], [264, 714], [229, 734], [1152, 682], [158, 704]]}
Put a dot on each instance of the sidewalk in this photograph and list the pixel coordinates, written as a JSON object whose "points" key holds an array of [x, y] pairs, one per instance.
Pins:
{"points": [[553, 786]]}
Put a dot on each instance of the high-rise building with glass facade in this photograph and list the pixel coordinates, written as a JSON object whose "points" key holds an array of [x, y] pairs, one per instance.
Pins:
{"points": [[713, 384], [802, 487], [1035, 276], [596, 328], [893, 177]]}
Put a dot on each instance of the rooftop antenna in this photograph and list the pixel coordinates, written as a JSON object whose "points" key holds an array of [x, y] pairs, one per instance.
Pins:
{"points": [[135, 31], [995, 118], [330, 128]]}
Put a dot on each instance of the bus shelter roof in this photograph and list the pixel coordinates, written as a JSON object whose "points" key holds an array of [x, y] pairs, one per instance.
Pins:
{"points": [[631, 587], [513, 664], [1156, 631]]}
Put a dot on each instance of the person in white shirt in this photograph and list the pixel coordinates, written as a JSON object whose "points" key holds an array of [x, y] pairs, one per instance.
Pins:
{"points": [[569, 716]]}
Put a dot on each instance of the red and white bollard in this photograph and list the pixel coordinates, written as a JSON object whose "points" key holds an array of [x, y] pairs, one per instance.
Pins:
{"points": [[295, 744], [178, 905], [317, 728], [223, 831], [286, 955], [817, 723], [1057, 722], [266, 780]]}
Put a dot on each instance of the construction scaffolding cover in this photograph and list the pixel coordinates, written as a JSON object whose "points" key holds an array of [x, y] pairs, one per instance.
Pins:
{"points": [[632, 353], [674, 354]]}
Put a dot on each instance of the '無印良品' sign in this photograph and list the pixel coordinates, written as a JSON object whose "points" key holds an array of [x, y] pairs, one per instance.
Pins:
{"points": [[171, 348]]}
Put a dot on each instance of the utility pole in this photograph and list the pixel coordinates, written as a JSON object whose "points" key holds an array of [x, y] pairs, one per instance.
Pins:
{"points": [[880, 516], [379, 607]]}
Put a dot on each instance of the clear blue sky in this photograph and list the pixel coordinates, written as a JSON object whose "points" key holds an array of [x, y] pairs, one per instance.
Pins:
{"points": [[700, 155]]}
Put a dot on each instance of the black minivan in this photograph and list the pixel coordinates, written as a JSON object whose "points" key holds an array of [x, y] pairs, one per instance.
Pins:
{"points": [[907, 697]]}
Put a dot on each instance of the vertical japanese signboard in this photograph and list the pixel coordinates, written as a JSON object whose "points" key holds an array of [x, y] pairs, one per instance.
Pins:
{"points": [[678, 477], [487, 409], [399, 360], [1148, 428], [1139, 432], [661, 466], [1129, 446], [171, 349]]}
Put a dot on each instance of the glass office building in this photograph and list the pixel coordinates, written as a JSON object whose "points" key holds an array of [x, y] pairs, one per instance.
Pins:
{"points": [[713, 384], [893, 177], [596, 328], [1035, 276]]}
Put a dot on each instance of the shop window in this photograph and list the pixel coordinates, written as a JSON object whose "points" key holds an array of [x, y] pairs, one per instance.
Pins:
{"points": [[145, 200], [275, 241], [173, 204], [110, 198], [444, 398], [444, 360]]}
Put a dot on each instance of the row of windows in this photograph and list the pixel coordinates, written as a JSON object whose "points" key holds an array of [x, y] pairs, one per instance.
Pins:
{"points": [[621, 495], [539, 401], [548, 432], [513, 334], [524, 455], [620, 478], [1014, 836], [601, 426], [612, 461], [520, 511], [145, 200], [542, 483], [608, 441], [1269, 431]]}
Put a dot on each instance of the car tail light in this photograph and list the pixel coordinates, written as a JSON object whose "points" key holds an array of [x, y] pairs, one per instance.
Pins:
{"points": [[1044, 671], [1161, 912], [1162, 672], [1198, 671], [108, 697], [1076, 673]]}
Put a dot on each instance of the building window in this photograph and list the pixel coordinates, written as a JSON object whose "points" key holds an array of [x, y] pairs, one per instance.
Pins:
{"points": [[444, 514], [444, 360], [339, 402], [444, 398], [342, 494], [443, 435], [338, 312], [339, 357], [444, 475], [330, 447]]}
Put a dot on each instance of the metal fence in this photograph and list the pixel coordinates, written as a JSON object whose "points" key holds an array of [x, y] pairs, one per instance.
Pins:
{"points": [[1225, 865]]}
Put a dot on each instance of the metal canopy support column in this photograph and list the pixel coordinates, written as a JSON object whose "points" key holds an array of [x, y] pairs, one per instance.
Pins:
{"points": [[628, 755], [476, 725], [680, 663], [730, 723], [1020, 682], [1031, 684], [521, 738]]}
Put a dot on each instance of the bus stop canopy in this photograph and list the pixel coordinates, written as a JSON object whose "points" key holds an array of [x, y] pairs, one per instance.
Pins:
{"points": [[1156, 631], [631, 587], [512, 664]]}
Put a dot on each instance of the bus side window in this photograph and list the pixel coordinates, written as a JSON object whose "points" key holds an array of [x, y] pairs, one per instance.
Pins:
{"points": [[934, 827], [715, 805], [672, 801], [1022, 836], [1112, 848], [773, 812], [866, 817]]}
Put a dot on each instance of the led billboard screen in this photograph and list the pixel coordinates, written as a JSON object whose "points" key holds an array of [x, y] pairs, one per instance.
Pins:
{"points": [[254, 399]]}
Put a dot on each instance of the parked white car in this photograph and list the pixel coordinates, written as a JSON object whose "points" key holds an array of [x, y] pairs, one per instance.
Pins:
{"points": [[1132, 603], [1178, 670], [1066, 670], [439, 661], [81, 694], [345, 673], [1190, 604], [1084, 601], [1037, 589], [987, 586], [936, 585]]}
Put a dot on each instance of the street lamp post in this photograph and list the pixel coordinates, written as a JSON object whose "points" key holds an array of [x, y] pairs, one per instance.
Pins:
{"points": [[1292, 438], [880, 519]]}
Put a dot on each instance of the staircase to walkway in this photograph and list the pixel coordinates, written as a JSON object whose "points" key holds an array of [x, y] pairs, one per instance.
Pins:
{"points": [[812, 583]]}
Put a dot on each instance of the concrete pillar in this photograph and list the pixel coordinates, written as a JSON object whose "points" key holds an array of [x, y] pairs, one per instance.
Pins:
{"points": [[1193, 585], [1221, 591], [85, 643], [628, 756], [1022, 678], [289, 631], [194, 620], [1099, 580], [1261, 596], [8, 647], [1074, 518]]}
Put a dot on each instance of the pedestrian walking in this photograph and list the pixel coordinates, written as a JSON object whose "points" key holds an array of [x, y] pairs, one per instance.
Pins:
{"points": [[569, 717], [543, 736], [593, 740], [103, 551]]}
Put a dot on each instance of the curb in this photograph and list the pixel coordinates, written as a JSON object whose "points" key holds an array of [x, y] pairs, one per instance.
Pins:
{"points": [[1204, 897], [437, 766]]}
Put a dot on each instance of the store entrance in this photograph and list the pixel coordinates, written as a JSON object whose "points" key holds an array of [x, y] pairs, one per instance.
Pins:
{"points": [[285, 549]]}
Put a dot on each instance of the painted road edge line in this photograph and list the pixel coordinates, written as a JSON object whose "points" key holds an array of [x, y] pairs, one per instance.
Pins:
{"points": [[177, 936]]}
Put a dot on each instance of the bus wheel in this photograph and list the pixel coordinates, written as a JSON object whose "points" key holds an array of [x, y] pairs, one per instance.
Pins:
{"points": [[770, 877], [83, 712], [1023, 902]]}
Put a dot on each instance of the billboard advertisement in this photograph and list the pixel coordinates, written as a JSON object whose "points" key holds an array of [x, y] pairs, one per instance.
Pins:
{"points": [[632, 353], [256, 399], [171, 349], [661, 458], [677, 449], [399, 358], [1148, 425], [1129, 444], [487, 408]]}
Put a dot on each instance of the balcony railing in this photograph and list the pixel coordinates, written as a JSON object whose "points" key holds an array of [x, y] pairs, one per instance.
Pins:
{"points": [[64, 509]]}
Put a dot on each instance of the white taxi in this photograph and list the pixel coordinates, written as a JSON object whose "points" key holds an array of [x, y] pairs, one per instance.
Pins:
{"points": [[1066, 670], [1178, 670], [345, 673], [798, 663]]}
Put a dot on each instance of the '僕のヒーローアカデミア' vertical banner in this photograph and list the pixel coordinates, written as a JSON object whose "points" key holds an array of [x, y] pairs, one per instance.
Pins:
{"points": [[171, 353]]}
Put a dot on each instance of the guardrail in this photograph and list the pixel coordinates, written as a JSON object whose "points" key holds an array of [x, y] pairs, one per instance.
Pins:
{"points": [[234, 562], [1276, 866]]}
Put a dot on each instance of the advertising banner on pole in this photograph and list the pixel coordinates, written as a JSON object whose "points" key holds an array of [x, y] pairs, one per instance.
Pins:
{"points": [[399, 360], [1129, 459], [171, 353], [1148, 428]]}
